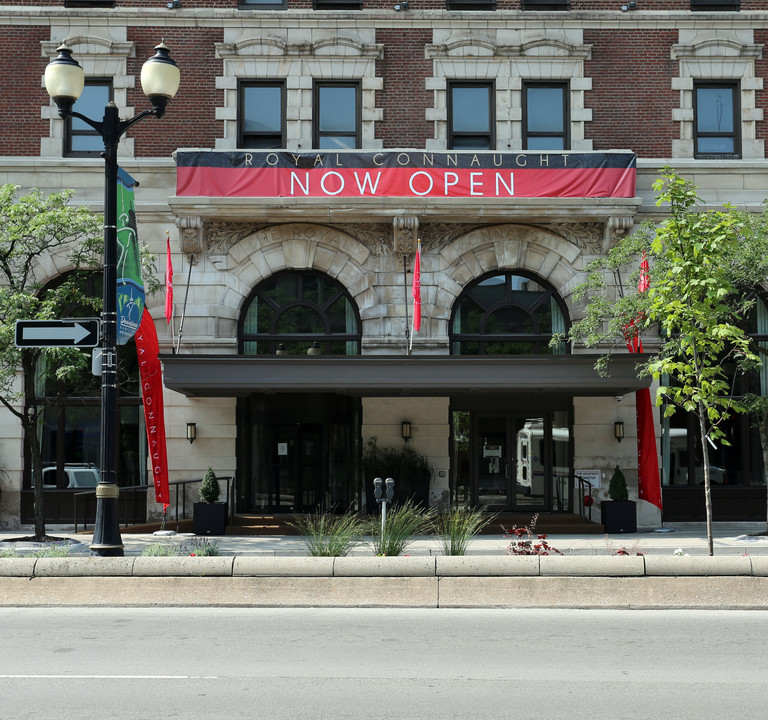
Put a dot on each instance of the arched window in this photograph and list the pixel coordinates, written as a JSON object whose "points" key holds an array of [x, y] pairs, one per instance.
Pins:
{"points": [[294, 313], [507, 313]]}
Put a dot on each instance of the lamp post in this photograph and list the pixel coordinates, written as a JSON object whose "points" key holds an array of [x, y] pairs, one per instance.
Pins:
{"points": [[64, 81]]}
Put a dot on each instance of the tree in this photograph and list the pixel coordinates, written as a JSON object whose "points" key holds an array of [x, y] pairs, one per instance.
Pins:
{"points": [[32, 228], [700, 263]]}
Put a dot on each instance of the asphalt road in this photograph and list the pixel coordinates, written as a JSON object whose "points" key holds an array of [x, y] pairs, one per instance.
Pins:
{"points": [[63, 663]]}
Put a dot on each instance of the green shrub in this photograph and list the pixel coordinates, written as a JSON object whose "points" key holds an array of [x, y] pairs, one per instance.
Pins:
{"points": [[457, 526], [617, 488], [326, 534], [200, 547], [160, 550], [8, 553], [403, 523], [52, 550], [210, 490]]}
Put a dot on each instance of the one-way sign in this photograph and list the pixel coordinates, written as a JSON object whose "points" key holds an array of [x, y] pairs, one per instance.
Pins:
{"points": [[76, 332]]}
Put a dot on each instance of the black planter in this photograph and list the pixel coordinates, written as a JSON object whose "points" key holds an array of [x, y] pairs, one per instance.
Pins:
{"points": [[209, 518], [618, 516]]}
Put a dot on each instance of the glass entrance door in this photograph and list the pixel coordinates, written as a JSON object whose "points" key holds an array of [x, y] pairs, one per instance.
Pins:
{"points": [[517, 463], [297, 465]]}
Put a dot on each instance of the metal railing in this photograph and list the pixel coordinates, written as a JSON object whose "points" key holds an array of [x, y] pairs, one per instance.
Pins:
{"points": [[136, 489], [585, 488]]}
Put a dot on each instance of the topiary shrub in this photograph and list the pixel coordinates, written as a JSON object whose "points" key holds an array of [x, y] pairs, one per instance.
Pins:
{"points": [[210, 488], [617, 489]]}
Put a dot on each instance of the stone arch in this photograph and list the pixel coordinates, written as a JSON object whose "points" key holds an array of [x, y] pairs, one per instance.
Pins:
{"points": [[506, 247], [298, 246]]}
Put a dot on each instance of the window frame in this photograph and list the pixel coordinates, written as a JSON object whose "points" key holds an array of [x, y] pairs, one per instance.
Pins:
{"points": [[337, 5], [241, 133], [715, 5], [545, 5], [734, 87], [565, 134], [452, 134], [470, 5], [317, 134], [70, 134], [255, 5], [482, 338]]}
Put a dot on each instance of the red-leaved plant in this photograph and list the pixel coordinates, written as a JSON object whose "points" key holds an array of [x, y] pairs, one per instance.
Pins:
{"points": [[525, 541]]}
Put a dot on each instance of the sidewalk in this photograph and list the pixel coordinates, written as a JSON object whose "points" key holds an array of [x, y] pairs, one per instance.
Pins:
{"points": [[729, 539]]}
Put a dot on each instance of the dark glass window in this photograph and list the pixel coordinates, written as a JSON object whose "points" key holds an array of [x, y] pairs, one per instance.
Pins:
{"points": [[542, 5], [89, 3], [262, 5], [80, 139], [338, 5], [715, 5], [471, 116], [545, 116], [262, 115], [70, 410], [716, 124], [337, 115], [292, 313], [507, 314], [470, 4]]}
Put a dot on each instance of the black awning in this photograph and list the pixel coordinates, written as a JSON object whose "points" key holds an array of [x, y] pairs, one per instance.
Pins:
{"points": [[369, 375]]}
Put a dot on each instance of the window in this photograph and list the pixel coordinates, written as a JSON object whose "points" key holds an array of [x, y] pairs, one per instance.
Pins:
{"points": [[262, 115], [545, 5], [336, 116], [715, 5], [80, 139], [545, 116], [89, 3], [507, 314], [716, 126], [471, 5], [471, 116], [262, 4], [300, 313], [338, 5]]}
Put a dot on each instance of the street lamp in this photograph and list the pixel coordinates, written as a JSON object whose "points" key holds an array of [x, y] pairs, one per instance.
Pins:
{"points": [[64, 81]]}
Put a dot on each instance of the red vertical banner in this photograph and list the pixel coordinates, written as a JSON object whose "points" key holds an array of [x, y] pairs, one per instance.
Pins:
{"points": [[151, 378], [168, 281], [416, 289], [648, 479]]}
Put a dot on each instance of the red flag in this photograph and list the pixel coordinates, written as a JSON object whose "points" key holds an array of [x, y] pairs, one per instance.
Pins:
{"points": [[416, 290], [150, 374], [168, 283], [648, 481]]}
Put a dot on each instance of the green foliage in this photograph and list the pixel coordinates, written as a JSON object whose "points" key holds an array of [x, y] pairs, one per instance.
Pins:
{"points": [[210, 490], [457, 526], [326, 534], [617, 488], [8, 553], [52, 550], [403, 523], [160, 550], [410, 469], [200, 547]]}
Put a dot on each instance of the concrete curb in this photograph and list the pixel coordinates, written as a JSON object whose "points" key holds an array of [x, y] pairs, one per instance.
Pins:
{"points": [[390, 567]]}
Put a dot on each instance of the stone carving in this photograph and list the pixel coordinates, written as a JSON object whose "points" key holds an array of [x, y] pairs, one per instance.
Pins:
{"points": [[405, 233], [221, 236], [585, 236]]}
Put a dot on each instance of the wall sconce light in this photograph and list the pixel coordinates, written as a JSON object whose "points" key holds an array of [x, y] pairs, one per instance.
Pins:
{"points": [[405, 430], [191, 432], [618, 430]]}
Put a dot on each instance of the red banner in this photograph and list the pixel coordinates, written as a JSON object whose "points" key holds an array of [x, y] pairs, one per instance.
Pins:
{"points": [[151, 377], [405, 174], [648, 481], [416, 289]]}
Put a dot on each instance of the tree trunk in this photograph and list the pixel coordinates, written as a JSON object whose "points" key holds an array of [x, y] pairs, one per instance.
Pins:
{"points": [[707, 484]]}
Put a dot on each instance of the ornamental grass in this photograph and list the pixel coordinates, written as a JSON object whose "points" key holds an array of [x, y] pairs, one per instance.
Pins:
{"points": [[327, 534]]}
